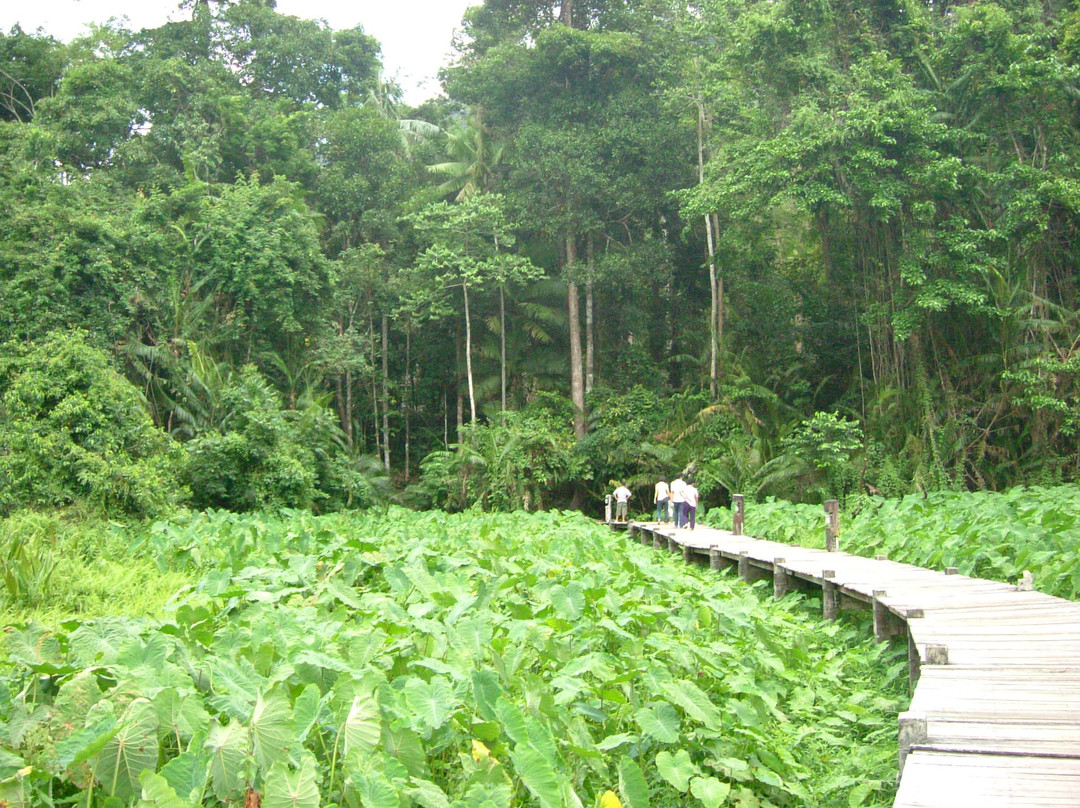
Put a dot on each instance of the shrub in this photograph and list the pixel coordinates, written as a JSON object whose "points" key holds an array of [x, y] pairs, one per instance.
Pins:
{"points": [[73, 430]]}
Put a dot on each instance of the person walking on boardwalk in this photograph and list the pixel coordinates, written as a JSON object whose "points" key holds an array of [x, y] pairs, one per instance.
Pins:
{"points": [[622, 496], [678, 498], [661, 497], [691, 495]]}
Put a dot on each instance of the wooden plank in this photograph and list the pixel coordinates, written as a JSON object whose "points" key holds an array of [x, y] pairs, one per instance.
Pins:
{"points": [[934, 779]]}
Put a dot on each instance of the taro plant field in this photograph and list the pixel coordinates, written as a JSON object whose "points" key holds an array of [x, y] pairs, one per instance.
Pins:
{"points": [[393, 659], [984, 534]]}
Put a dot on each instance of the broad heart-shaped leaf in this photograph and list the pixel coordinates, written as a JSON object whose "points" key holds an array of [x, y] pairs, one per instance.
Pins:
{"points": [[538, 774], [180, 716], [83, 744], [710, 791], [512, 720], [405, 746], [569, 601], [361, 728], [187, 773], [228, 747], [431, 703], [375, 790], [271, 728], [427, 794], [695, 702], [632, 785], [306, 711], [677, 769], [157, 793], [660, 721], [486, 692], [133, 748], [284, 788]]}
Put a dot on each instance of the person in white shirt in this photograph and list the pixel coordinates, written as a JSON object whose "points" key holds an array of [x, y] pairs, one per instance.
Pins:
{"points": [[678, 498], [622, 496], [661, 497], [691, 495]]}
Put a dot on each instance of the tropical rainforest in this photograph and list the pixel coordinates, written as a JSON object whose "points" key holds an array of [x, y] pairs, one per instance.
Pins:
{"points": [[808, 249]]}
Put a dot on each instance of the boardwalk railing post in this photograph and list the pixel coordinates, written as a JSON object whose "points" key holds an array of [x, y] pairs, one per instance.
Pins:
{"points": [[607, 509], [832, 524], [913, 732], [738, 514]]}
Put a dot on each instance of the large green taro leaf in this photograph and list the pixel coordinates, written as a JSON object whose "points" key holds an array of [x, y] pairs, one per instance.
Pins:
{"points": [[228, 747], [285, 788], [129, 752], [362, 727], [635, 790], [271, 729], [538, 774], [157, 793]]}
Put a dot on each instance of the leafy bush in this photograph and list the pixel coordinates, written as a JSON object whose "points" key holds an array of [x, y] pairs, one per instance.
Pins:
{"points": [[265, 456], [518, 461], [73, 430]]}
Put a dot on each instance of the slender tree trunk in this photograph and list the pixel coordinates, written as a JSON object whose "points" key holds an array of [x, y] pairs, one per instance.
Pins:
{"points": [[577, 376], [374, 391], [714, 286], [408, 394], [590, 337], [386, 391], [457, 386], [502, 345], [468, 356]]}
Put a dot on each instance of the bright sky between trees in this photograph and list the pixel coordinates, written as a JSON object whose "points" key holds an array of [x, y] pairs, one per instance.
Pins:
{"points": [[415, 34]]}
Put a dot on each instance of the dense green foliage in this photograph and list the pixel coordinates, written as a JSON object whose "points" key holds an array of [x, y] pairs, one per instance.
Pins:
{"points": [[984, 534], [72, 429], [811, 249], [395, 658]]}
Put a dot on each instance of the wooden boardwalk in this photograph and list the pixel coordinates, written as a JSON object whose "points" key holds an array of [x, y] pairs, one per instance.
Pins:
{"points": [[994, 720]]}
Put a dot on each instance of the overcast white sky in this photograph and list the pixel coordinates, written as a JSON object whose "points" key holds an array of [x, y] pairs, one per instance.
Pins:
{"points": [[415, 34]]}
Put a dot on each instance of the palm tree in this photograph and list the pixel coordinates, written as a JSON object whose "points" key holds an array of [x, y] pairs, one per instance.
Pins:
{"points": [[474, 154]]}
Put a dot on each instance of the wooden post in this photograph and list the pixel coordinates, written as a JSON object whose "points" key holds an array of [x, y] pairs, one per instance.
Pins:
{"points": [[645, 537], [832, 525], [936, 654], [885, 623], [738, 514], [716, 561], [830, 598], [672, 545], [780, 582], [913, 732], [744, 565], [688, 554], [951, 571], [607, 509], [657, 541], [881, 558], [913, 663]]}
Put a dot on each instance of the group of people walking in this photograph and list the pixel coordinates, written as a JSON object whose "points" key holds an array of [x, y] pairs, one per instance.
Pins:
{"points": [[676, 502]]}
